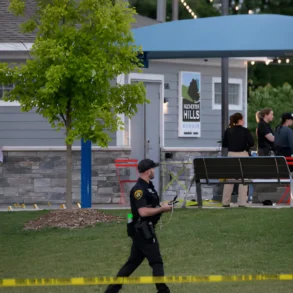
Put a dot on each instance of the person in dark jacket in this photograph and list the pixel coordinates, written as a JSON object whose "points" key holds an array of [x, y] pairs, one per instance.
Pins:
{"points": [[265, 134], [238, 140], [284, 136]]}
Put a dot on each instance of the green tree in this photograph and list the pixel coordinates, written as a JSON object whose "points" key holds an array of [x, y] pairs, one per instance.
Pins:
{"points": [[202, 8], [283, 7], [80, 47], [193, 91], [280, 99], [275, 74]]}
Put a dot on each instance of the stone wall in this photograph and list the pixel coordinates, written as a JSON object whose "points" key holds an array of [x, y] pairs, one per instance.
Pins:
{"points": [[181, 164], [40, 176]]}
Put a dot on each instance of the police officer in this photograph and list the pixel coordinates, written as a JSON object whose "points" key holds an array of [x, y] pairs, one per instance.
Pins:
{"points": [[146, 210]]}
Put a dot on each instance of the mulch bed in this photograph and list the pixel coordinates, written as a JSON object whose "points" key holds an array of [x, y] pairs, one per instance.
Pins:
{"points": [[74, 219]]}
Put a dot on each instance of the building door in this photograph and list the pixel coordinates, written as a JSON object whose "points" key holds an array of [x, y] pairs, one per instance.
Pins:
{"points": [[145, 129]]}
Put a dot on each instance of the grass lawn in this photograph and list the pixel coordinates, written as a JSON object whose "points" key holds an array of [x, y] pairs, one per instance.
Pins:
{"points": [[232, 241]]}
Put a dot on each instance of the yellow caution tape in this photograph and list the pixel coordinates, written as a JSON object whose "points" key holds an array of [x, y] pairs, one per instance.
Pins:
{"points": [[139, 280]]}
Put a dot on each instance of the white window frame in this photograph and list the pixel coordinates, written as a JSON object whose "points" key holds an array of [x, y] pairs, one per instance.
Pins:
{"points": [[4, 103], [238, 81]]}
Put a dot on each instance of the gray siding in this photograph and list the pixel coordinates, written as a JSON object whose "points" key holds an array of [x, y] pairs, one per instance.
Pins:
{"points": [[30, 129], [210, 119]]}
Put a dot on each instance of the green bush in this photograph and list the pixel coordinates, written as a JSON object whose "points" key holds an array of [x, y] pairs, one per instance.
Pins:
{"points": [[280, 99]]}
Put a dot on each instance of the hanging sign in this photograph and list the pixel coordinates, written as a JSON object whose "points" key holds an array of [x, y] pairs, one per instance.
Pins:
{"points": [[189, 104]]}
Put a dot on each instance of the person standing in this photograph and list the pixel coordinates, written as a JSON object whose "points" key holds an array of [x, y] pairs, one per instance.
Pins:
{"points": [[146, 211], [284, 136], [238, 140], [265, 133]]}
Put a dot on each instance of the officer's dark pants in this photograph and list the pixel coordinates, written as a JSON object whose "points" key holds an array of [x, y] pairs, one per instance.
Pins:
{"points": [[140, 250]]}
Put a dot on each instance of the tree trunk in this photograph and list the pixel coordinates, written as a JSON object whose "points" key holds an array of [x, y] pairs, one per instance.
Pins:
{"points": [[69, 177]]}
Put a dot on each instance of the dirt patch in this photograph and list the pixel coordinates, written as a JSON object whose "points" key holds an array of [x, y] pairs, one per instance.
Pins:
{"points": [[73, 219]]}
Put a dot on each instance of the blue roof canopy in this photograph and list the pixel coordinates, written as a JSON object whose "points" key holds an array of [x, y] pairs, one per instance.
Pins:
{"points": [[259, 35]]}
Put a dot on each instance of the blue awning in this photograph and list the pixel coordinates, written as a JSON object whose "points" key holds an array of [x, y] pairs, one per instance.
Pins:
{"points": [[258, 35]]}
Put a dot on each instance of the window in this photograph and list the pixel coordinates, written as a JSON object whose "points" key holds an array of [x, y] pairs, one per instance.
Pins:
{"points": [[3, 89], [235, 94]]}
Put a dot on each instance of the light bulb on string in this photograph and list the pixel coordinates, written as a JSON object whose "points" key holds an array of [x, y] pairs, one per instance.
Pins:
{"points": [[252, 62], [188, 8], [279, 61], [287, 60], [236, 8], [250, 12]]}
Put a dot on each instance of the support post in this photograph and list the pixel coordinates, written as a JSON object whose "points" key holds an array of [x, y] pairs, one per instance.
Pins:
{"points": [[161, 10], [175, 9], [86, 174], [225, 82], [198, 193]]}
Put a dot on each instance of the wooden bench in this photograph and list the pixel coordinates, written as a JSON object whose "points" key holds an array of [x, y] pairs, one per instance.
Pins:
{"points": [[243, 170]]}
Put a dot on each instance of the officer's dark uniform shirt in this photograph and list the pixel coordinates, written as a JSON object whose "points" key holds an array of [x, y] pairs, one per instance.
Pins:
{"points": [[143, 194]]}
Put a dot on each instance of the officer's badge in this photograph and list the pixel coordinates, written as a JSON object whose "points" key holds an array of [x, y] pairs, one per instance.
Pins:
{"points": [[138, 194]]}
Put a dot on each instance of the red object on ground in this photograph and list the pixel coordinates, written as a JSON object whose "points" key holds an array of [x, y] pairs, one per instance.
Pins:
{"points": [[125, 163]]}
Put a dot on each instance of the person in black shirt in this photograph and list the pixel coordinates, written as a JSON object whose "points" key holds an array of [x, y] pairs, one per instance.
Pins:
{"points": [[284, 136], [265, 134], [238, 140], [146, 210]]}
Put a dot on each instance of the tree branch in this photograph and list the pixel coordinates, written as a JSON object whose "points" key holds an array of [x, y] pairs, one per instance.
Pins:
{"points": [[63, 118]]}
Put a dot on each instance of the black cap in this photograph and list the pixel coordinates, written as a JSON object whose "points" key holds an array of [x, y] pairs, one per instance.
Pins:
{"points": [[287, 116], [146, 164]]}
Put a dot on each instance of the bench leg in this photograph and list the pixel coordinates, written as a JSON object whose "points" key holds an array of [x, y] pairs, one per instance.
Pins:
{"points": [[284, 195], [291, 193], [198, 193]]}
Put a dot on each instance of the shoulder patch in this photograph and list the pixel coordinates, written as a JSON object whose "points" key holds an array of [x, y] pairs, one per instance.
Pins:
{"points": [[138, 194]]}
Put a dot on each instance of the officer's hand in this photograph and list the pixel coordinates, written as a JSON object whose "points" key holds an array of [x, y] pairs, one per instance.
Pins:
{"points": [[165, 207]]}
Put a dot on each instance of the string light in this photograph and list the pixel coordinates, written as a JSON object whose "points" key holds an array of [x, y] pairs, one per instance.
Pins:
{"points": [[237, 8], [189, 9], [250, 11], [275, 61]]}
